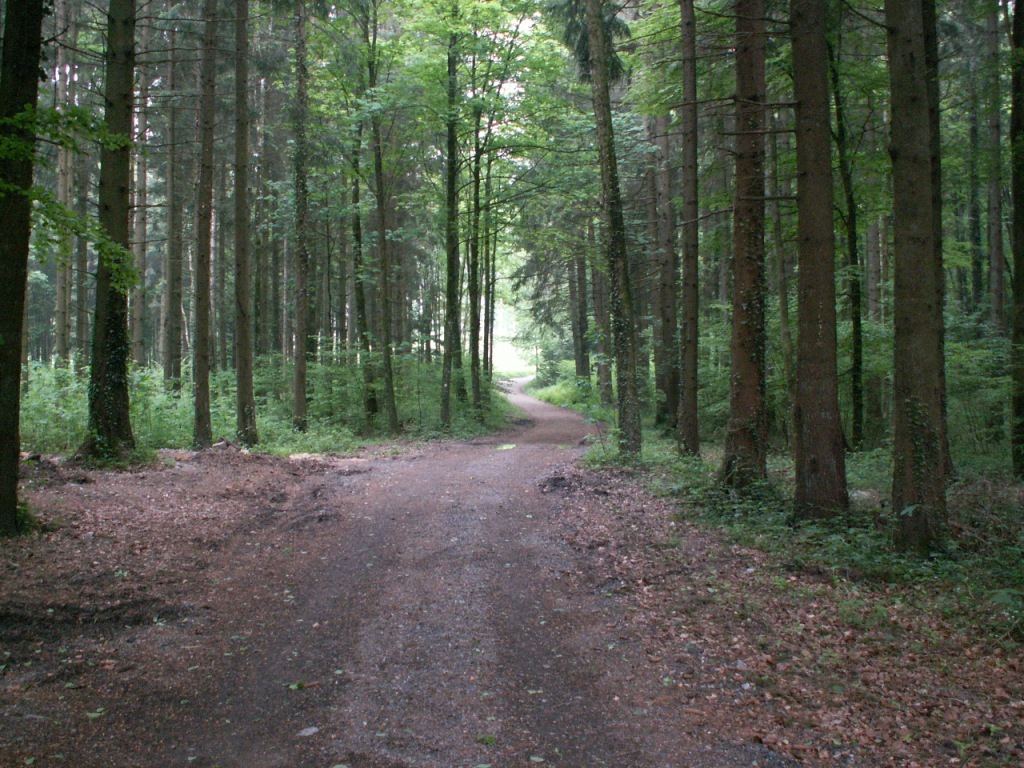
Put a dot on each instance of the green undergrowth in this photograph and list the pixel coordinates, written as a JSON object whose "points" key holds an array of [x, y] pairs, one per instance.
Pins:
{"points": [[54, 409], [975, 578]]}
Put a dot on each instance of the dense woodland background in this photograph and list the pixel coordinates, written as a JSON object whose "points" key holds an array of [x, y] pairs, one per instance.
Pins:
{"points": [[704, 213]]}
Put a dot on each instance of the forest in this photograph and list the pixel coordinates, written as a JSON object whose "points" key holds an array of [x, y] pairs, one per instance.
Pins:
{"points": [[749, 228]]}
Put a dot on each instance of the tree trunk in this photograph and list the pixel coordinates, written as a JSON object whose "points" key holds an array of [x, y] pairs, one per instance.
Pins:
{"points": [[140, 222], [202, 430], [65, 178], [245, 399], [820, 458], [687, 428], [667, 326], [602, 320], [997, 256], [383, 246], [746, 442], [473, 268], [854, 280], [1017, 241], [173, 259], [452, 340], [777, 192], [371, 405], [623, 320], [110, 430], [301, 159], [82, 303], [19, 88], [919, 442]]}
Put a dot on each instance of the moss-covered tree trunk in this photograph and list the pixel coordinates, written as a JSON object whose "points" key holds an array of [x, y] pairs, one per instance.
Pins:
{"points": [[110, 431], [623, 319]]}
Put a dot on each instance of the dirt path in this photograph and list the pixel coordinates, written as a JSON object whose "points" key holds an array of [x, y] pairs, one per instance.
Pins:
{"points": [[418, 609]]}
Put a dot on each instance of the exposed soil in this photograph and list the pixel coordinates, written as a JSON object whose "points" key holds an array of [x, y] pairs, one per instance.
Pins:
{"points": [[450, 605]]}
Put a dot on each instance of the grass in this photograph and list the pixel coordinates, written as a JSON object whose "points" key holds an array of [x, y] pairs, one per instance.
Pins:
{"points": [[54, 411]]}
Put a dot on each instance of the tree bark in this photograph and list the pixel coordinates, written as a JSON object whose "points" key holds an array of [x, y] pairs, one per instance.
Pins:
{"points": [[688, 428], [172, 341], [299, 349], [1017, 241], [140, 216], [919, 443], [65, 178], [452, 340], [202, 430], [667, 326], [245, 400], [997, 257], [602, 321], [854, 280], [110, 432], [623, 319], [19, 89], [746, 442], [473, 269], [383, 245], [820, 458]]}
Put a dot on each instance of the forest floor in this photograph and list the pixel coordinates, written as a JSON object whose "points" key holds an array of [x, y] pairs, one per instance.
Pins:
{"points": [[456, 605]]}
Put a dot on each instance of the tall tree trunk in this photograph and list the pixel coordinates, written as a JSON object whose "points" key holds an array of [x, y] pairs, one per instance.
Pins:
{"points": [[689, 299], [1017, 240], [82, 303], [746, 442], [172, 341], [874, 384], [65, 178], [977, 293], [919, 443], [994, 104], [579, 266], [371, 405], [452, 340], [820, 458], [202, 430], [776, 192], [623, 320], [602, 320], [137, 299], [220, 300], [245, 401], [383, 246], [110, 431], [667, 328], [854, 280], [19, 89], [300, 350], [141, 229], [473, 268]]}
